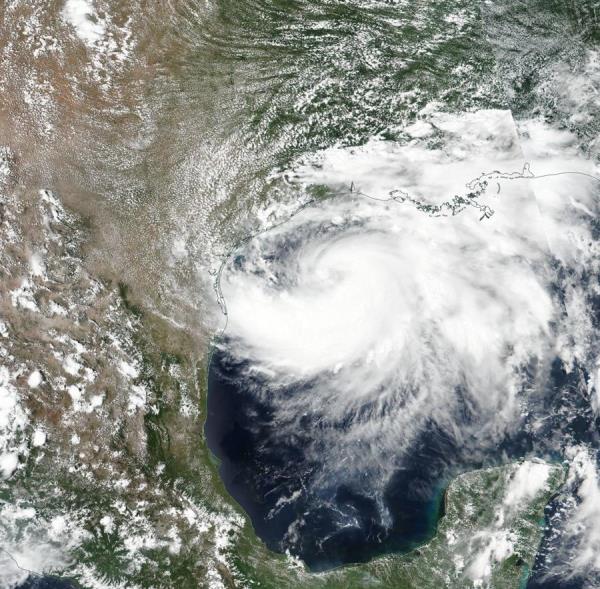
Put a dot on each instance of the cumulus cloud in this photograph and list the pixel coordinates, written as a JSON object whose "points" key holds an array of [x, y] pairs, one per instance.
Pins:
{"points": [[80, 14]]}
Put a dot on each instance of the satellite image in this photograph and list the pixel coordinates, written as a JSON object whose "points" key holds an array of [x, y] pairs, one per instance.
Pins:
{"points": [[300, 294]]}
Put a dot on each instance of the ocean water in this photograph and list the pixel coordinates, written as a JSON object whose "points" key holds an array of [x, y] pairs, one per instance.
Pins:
{"points": [[278, 100], [337, 479], [35, 582], [272, 480], [337, 458]]}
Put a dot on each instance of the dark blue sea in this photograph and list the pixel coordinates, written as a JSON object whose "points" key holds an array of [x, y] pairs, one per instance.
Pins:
{"points": [[259, 469], [35, 582]]}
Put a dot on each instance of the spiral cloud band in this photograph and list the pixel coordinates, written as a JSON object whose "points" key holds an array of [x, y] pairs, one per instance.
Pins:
{"points": [[395, 312]]}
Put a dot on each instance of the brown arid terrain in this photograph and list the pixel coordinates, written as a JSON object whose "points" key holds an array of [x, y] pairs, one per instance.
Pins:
{"points": [[143, 143], [100, 378], [85, 88]]}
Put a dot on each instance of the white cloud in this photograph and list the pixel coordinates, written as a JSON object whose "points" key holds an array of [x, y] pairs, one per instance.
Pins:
{"points": [[13, 421], [529, 479], [31, 544], [388, 311], [80, 14], [582, 533], [35, 379], [39, 438]]}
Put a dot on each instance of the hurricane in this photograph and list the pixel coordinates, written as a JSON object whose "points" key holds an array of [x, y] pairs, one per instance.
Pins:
{"points": [[300, 294], [411, 322]]}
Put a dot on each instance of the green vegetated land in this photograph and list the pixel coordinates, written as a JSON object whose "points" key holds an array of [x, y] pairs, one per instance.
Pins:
{"points": [[172, 523], [470, 527], [476, 518], [463, 534]]}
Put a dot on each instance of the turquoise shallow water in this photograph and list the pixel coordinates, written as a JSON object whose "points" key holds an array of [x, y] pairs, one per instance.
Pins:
{"points": [[247, 90]]}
